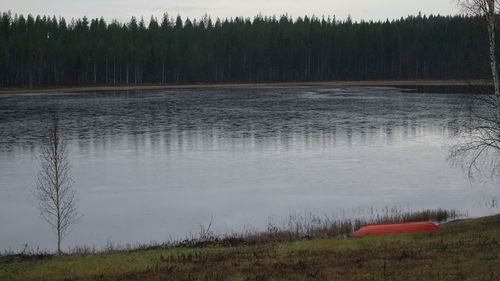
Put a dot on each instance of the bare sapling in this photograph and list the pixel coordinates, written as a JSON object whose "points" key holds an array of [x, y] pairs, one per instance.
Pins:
{"points": [[54, 193]]}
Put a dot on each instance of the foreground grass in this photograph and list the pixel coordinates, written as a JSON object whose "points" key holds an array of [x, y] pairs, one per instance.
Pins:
{"points": [[463, 250]]}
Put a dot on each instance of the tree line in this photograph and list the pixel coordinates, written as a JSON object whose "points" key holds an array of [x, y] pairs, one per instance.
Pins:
{"points": [[48, 51]]}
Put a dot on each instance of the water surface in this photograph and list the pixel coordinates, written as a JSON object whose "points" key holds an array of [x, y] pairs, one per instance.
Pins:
{"points": [[155, 165]]}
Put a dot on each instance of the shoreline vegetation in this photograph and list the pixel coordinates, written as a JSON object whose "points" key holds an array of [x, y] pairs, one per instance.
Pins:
{"points": [[463, 249], [296, 226], [395, 83]]}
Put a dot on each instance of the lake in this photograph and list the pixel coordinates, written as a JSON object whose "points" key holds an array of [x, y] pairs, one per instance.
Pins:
{"points": [[155, 165]]}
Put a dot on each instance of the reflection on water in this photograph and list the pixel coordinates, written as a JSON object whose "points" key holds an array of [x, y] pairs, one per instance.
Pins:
{"points": [[228, 113], [154, 164]]}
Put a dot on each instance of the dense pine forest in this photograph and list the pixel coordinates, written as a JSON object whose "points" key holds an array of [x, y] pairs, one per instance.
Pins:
{"points": [[46, 51]]}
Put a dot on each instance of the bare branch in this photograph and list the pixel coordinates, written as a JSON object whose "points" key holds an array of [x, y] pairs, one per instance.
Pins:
{"points": [[56, 199]]}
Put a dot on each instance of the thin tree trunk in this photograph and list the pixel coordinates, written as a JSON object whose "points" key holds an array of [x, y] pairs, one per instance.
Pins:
{"points": [[59, 240], [40, 71], [31, 79], [107, 82], [57, 184], [56, 78], [490, 17], [135, 74], [126, 69], [95, 71], [216, 73], [163, 72]]}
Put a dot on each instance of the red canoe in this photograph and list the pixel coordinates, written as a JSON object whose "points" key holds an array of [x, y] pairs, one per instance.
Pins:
{"points": [[390, 228]]}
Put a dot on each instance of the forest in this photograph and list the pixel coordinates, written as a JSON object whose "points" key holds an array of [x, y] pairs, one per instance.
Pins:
{"points": [[45, 51]]}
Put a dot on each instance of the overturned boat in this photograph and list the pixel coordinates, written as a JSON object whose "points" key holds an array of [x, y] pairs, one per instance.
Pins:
{"points": [[393, 228]]}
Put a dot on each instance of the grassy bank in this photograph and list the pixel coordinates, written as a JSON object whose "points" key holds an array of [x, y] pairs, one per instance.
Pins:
{"points": [[462, 250], [227, 85]]}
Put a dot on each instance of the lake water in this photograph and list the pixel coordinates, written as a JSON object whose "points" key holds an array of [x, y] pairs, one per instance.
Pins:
{"points": [[155, 165]]}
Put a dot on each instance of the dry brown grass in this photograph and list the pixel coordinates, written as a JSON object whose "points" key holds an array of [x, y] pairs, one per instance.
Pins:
{"points": [[306, 226], [462, 250]]}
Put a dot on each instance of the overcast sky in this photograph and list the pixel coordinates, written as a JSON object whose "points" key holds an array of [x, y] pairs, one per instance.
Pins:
{"points": [[124, 9]]}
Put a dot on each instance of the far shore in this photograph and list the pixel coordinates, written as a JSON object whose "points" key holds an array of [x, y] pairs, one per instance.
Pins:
{"points": [[228, 85]]}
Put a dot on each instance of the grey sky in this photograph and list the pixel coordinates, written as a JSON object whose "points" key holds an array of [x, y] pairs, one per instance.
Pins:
{"points": [[124, 9]]}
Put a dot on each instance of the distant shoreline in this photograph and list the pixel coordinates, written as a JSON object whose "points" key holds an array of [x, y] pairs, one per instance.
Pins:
{"points": [[229, 85]]}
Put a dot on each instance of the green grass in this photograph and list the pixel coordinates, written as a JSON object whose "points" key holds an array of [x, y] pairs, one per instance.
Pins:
{"points": [[462, 250]]}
